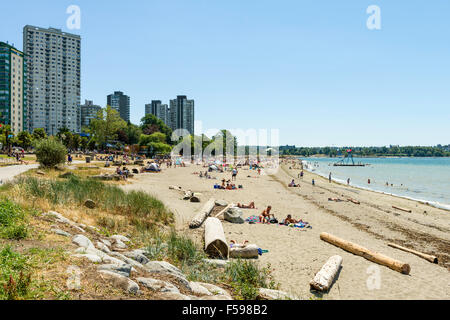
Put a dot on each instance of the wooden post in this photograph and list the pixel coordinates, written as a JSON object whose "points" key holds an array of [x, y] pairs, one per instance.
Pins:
{"points": [[204, 212], [325, 277], [366, 253], [428, 257], [215, 243]]}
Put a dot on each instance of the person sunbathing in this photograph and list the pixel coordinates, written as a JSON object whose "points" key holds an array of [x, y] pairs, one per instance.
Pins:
{"points": [[335, 199], [289, 220], [292, 184], [243, 206], [265, 215], [233, 243]]}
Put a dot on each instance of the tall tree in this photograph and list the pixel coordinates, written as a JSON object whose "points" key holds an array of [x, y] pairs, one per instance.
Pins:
{"points": [[105, 125]]}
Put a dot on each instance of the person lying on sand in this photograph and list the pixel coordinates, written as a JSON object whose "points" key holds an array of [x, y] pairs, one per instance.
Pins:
{"points": [[243, 206], [265, 215], [335, 199], [292, 184], [233, 243], [289, 220]]}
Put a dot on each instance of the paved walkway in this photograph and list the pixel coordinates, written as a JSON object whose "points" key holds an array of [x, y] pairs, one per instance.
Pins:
{"points": [[8, 173]]}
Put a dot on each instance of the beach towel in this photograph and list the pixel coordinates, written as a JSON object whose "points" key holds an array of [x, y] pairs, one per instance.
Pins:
{"points": [[252, 219]]}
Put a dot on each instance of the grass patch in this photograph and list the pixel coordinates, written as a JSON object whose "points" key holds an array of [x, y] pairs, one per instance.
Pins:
{"points": [[246, 277], [142, 210], [12, 221], [15, 277]]}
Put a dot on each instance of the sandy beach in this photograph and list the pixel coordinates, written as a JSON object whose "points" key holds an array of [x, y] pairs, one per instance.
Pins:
{"points": [[297, 254]]}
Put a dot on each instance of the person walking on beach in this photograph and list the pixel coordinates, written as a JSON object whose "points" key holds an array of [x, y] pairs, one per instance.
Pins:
{"points": [[348, 181], [329, 178], [313, 182], [368, 181], [234, 174]]}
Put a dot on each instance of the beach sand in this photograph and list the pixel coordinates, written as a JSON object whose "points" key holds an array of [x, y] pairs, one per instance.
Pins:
{"points": [[297, 254]]}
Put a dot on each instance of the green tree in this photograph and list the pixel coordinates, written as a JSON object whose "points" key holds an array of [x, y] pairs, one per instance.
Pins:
{"points": [[151, 124], [24, 139], [38, 134], [105, 125]]}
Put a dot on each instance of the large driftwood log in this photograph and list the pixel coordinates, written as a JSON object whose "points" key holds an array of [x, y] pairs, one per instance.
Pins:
{"points": [[225, 209], [215, 242], [325, 277], [250, 251], [428, 257], [366, 253], [402, 209], [201, 215]]}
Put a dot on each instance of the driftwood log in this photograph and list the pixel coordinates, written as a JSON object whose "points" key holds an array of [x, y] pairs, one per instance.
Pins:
{"points": [[223, 211], [402, 209], [201, 215], [250, 251], [216, 245], [428, 257], [366, 253], [325, 277]]}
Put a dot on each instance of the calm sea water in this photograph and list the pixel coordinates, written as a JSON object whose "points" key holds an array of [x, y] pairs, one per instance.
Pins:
{"points": [[425, 179]]}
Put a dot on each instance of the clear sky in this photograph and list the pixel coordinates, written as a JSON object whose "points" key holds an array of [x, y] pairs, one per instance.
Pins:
{"points": [[311, 69]]}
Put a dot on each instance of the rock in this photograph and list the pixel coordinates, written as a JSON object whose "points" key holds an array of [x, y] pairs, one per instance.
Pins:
{"points": [[105, 258], [270, 294], [173, 296], [167, 268], [103, 247], [82, 241], [128, 260], [221, 203], [194, 199], [120, 281], [106, 242], [234, 215], [217, 262], [215, 290], [187, 195], [157, 285], [199, 289], [217, 297], [120, 237], [61, 219], [135, 255], [61, 232], [90, 204], [124, 269], [118, 244], [40, 173], [91, 257]]}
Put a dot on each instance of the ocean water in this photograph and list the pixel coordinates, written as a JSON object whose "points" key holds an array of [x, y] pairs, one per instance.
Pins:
{"points": [[423, 179]]}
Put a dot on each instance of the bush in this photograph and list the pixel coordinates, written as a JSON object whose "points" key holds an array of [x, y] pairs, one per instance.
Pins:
{"points": [[50, 152]]}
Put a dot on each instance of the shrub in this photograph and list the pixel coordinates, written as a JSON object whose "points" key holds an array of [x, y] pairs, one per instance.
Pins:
{"points": [[50, 152]]}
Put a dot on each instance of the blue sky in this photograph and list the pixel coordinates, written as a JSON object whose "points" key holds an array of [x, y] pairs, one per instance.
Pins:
{"points": [[311, 69]]}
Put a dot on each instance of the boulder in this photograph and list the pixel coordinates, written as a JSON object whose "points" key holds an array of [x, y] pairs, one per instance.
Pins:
{"points": [[61, 232], [136, 255], [197, 288], [120, 237], [166, 268], [124, 269], [173, 296], [106, 242], [40, 172], [216, 297], [90, 204], [215, 290], [82, 241], [157, 285], [119, 245], [234, 215], [217, 262], [194, 199], [103, 247], [120, 281], [270, 294], [91, 257]]}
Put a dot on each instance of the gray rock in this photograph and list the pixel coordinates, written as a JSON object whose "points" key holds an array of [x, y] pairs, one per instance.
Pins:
{"points": [[120, 281], [135, 255], [166, 268], [194, 199], [118, 244], [120, 237], [106, 242], [199, 289], [217, 262], [40, 172], [82, 241], [221, 203], [105, 258], [173, 296], [61, 232], [157, 285], [270, 294], [103, 247], [91, 257], [216, 297], [215, 290], [124, 269], [90, 204], [128, 260], [234, 215]]}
